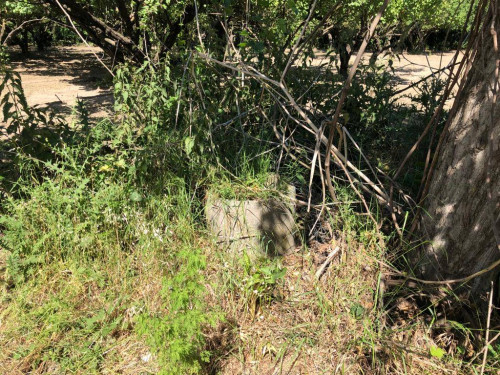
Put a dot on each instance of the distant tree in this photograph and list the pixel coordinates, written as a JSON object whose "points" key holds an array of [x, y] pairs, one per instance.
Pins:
{"points": [[347, 27], [18, 19], [135, 30]]}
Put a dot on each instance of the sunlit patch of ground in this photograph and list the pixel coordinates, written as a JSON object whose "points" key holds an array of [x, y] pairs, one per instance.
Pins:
{"points": [[60, 75]]}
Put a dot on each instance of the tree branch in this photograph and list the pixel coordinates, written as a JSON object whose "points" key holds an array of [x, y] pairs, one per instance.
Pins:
{"points": [[98, 31], [125, 16], [188, 16], [20, 28]]}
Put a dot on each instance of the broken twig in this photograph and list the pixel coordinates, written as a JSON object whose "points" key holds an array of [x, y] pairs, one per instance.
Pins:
{"points": [[325, 264]]}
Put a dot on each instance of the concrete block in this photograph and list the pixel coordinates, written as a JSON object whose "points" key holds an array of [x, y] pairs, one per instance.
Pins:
{"points": [[259, 227]]}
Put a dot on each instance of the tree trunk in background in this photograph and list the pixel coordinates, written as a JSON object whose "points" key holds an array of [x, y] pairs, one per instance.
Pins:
{"points": [[344, 56], [121, 45], [462, 205], [22, 41]]}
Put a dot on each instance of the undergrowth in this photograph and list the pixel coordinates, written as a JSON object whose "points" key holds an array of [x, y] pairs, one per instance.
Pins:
{"points": [[97, 257], [106, 265]]}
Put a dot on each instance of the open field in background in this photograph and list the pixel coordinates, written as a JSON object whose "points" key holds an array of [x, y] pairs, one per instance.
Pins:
{"points": [[59, 76]]}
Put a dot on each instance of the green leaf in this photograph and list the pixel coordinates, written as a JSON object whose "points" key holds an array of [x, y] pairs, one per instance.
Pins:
{"points": [[6, 110], [437, 352], [135, 196], [357, 311], [189, 144]]}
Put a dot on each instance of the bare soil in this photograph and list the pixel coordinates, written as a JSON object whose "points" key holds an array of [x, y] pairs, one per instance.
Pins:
{"points": [[408, 68], [59, 76], [411, 68]]}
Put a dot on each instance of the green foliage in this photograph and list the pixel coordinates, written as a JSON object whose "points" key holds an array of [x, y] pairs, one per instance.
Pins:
{"points": [[370, 110], [72, 218], [30, 133], [429, 95], [146, 139], [357, 311], [437, 352], [96, 199], [18, 7], [22, 121], [29, 23], [261, 283], [59, 329], [147, 98], [100, 200], [177, 336], [429, 14]]}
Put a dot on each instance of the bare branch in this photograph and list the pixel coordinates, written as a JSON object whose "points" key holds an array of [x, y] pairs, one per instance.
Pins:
{"points": [[82, 38], [332, 125]]}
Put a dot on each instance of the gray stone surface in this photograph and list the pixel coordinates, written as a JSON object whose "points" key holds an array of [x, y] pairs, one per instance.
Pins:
{"points": [[259, 227]]}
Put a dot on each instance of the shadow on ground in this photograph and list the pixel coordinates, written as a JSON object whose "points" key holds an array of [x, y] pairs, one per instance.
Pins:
{"points": [[58, 76]]}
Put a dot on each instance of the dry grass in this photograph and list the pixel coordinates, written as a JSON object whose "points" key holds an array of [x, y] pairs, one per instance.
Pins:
{"points": [[336, 325], [330, 326], [333, 326]]}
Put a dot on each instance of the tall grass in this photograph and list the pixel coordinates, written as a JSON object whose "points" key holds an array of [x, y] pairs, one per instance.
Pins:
{"points": [[103, 247], [85, 231]]}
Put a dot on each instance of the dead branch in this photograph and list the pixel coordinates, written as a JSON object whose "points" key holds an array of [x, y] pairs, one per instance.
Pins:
{"points": [[485, 349], [332, 125], [325, 264], [433, 74], [82, 38], [366, 184]]}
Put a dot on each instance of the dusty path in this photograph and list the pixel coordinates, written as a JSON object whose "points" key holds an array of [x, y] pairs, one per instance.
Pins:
{"points": [[408, 68], [59, 76]]}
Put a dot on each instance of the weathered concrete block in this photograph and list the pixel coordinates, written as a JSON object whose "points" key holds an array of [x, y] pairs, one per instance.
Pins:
{"points": [[259, 227]]}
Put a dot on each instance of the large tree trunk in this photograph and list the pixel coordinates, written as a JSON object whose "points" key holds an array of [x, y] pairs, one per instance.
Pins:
{"points": [[462, 205]]}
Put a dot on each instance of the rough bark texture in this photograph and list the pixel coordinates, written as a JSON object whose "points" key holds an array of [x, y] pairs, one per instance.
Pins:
{"points": [[462, 205]]}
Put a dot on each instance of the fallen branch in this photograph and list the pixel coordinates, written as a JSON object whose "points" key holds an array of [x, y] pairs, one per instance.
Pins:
{"points": [[327, 262], [485, 350], [449, 66], [308, 125], [333, 124], [439, 282]]}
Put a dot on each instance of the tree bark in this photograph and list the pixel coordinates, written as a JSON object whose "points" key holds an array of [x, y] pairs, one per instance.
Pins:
{"points": [[344, 56], [462, 206]]}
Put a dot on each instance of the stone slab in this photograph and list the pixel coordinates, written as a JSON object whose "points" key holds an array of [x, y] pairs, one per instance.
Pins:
{"points": [[259, 227]]}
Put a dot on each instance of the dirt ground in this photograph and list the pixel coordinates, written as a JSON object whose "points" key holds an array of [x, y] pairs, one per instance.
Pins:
{"points": [[408, 68], [61, 75]]}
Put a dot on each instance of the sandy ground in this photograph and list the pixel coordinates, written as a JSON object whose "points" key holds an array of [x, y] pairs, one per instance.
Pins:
{"points": [[408, 68], [61, 75]]}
